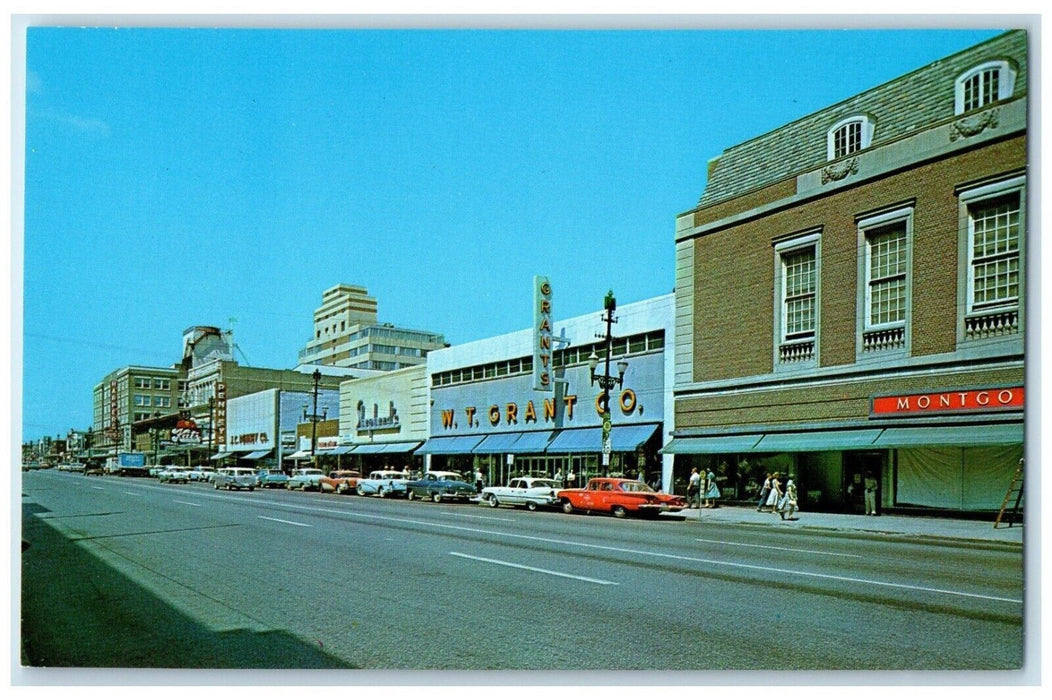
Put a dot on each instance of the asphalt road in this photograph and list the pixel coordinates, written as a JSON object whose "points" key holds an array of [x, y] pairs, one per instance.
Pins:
{"points": [[129, 573]]}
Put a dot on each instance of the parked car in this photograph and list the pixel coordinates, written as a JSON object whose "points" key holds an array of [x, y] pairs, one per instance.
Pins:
{"points": [[235, 478], [620, 497], [341, 481], [174, 475], [201, 473], [93, 469], [272, 479], [529, 491], [305, 479], [383, 483], [441, 486], [154, 470], [77, 467]]}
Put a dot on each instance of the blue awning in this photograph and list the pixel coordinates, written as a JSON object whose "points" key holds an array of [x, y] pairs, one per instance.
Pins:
{"points": [[531, 443], [818, 441], [719, 444], [623, 438], [370, 449], [952, 435], [342, 450], [220, 455], [461, 445], [400, 447], [258, 454], [496, 444]]}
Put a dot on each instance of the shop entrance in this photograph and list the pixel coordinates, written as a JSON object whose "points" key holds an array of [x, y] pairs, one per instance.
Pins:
{"points": [[856, 464]]}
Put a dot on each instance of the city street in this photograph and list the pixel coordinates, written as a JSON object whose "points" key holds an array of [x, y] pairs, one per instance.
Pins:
{"points": [[121, 572]]}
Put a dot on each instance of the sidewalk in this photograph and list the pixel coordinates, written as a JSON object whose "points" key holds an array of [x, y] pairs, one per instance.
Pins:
{"points": [[895, 525]]}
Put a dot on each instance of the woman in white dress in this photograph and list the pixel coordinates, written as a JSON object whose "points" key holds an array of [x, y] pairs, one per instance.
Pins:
{"points": [[776, 493]]}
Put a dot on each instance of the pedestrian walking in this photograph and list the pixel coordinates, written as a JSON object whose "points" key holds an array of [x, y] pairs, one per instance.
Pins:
{"points": [[787, 504], [764, 493], [478, 481], [559, 477], [694, 489], [776, 493], [870, 485], [712, 490], [571, 479]]}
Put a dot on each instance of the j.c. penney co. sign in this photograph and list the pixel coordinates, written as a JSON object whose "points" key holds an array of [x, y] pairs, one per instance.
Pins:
{"points": [[966, 401]]}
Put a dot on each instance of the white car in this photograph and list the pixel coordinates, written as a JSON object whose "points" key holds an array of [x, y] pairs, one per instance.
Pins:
{"points": [[529, 491], [235, 478], [174, 475], [304, 479], [200, 474], [382, 483]]}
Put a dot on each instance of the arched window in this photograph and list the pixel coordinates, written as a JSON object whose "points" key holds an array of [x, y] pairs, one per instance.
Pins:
{"points": [[982, 85], [849, 135]]}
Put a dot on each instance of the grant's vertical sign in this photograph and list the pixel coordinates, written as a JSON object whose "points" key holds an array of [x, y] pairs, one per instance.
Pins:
{"points": [[542, 334]]}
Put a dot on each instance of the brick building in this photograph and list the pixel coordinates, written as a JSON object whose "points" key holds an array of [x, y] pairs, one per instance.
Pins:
{"points": [[850, 295]]}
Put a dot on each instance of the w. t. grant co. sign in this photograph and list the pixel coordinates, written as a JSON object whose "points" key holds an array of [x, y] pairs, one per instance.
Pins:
{"points": [[960, 401]]}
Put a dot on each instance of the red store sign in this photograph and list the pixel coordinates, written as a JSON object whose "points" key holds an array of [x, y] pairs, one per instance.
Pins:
{"points": [[1009, 398]]}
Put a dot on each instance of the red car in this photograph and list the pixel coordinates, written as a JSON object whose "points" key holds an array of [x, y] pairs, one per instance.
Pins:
{"points": [[620, 497], [343, 481]]}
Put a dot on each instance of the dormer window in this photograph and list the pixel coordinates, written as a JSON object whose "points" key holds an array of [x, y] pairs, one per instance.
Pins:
{"points": [[849, 135], [983, 85]]}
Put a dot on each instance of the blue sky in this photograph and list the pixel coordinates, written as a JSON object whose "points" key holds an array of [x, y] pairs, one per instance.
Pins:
{"points": [[179, 177]]}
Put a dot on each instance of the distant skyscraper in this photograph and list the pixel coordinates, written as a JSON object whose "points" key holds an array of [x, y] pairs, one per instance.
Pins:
{"points": [[347, 334]]}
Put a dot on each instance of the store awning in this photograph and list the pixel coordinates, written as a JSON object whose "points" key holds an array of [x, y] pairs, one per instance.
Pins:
{"points": [[302, 454], [400, 447], [496, 444], [531, 443], [623, 438], [952, 435], [219, 455], [342, 450], [258, 454], [818, 441], [370, 449], [461, 445], [720, 444]]}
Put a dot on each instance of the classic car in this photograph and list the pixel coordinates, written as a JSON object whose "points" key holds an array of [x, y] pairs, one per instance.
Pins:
{"points": [[340, 481], [620, 497], [201, 473], [441, 486], [305, 479], [78, 467], [383, 483], [272, 479], [173, 475], [529, 491], [155, 470], [235, 478]]}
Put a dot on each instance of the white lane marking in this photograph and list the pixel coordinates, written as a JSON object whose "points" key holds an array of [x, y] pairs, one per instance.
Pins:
{"points": [[287, 522], [187, 503], [678, 557], [534, 568], [784, 549], [132, 494], [98, 488], [477, 517]]}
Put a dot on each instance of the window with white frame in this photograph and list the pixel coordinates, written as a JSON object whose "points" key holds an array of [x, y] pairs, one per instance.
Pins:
{"points": [[983, 85], [849, 135], [162, 401], [993, 250], [142, 382], [797, 286], [163, 384], [142, 400], [886, 241]]}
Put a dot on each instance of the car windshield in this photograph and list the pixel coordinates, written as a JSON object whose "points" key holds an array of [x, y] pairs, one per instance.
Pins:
{"points": [[635, 486]]}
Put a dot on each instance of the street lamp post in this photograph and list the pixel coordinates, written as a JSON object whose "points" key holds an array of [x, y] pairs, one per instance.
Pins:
{"points": [[314, 420], [607, 381]]}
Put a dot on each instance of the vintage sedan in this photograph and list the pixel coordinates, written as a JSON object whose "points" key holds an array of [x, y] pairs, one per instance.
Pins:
{"points": [[235, 478], [174, 475], [619, 497], [272, 479], [382, 483], [441, 486], [201, 473], [529, 491], [340, 481], [305, 479]]}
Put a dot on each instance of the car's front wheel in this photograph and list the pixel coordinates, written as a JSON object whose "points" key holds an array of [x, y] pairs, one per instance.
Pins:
{"points": [[567, 507], [531, 506], [492, 500], [382, 492], [360, 491], [410, 495], [620, 512], [436, 497]]}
